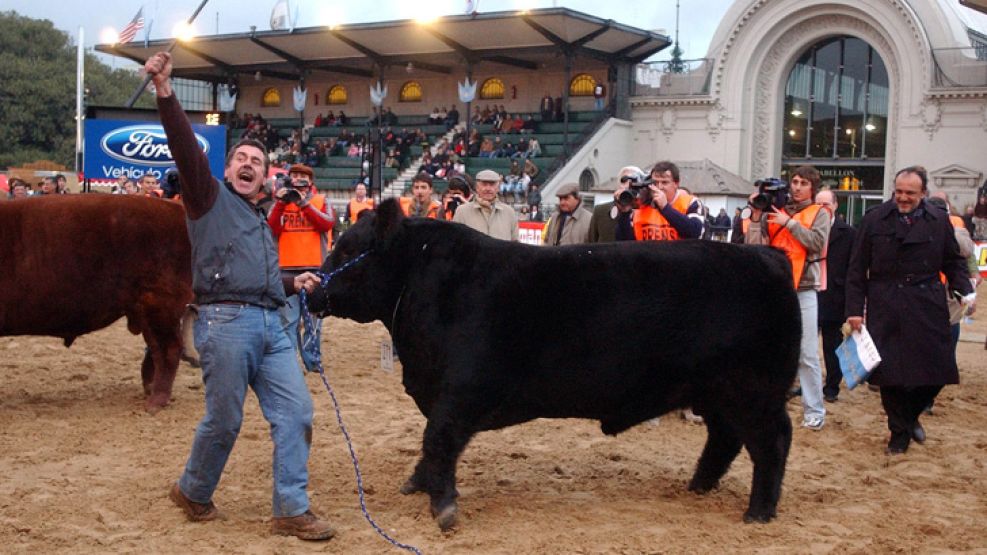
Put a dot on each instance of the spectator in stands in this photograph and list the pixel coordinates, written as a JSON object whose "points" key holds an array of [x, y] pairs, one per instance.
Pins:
{"points": [[61, 186], [600, 95], [343, 119], [452, 118], [421, 204], [485, 213], [358, 203], [530, 169], [150, 185], [517, 124], [559, 109], [129, 188], [390, 118], [571, 225], [529, 124], [319, 121], [498, 148], [547, 108], [477, 117], [510, 180], [534, 148], [18, 188], [301, 222], [433, 118], [487, 148]]}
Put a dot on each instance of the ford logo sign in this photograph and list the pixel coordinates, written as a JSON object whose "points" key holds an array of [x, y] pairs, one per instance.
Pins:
{"points": [[143, 145]]}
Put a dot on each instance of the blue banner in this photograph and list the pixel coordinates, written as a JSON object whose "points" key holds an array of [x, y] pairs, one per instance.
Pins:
{"points": [[133, 148]]}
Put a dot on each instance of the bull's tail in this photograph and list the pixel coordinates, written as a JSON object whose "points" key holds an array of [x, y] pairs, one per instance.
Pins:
{"points": [[189, 354]]}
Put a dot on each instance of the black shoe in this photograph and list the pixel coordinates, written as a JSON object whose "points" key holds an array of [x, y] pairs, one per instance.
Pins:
{"points": [[895, 450], [918, 433], [831, 398], [898, 443]]}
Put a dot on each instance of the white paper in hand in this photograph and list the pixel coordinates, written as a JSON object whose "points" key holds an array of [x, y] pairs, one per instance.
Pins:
{"points": [[858, 356]]}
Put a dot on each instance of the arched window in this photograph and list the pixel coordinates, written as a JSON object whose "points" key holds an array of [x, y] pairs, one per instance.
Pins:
{"points": [[582, 85], [836, 113], [336, 95], [587, 180], [271, 98], [411, 92], [492, 88]]}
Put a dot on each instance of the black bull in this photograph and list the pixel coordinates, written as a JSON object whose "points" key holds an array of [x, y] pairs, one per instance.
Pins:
{"points": [[493, 333]]}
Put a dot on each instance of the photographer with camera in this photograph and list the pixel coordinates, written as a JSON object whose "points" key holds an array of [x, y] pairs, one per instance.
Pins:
{"points": [[664, 213], [301, 221], [785, 216], [611, 221], [459, 192]]}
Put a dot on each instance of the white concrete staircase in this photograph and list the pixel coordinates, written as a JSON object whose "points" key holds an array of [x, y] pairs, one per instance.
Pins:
{"points": [[396, 188]]}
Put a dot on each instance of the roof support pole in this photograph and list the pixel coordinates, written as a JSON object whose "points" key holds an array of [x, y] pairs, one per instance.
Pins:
{"points": [[565, 102]]}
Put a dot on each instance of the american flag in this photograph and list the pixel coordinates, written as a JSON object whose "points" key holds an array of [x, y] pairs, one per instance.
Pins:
{"points": [[136, 24]]}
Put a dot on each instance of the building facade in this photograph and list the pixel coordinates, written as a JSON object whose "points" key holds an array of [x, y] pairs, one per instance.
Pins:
{"points": [[856, 88]]}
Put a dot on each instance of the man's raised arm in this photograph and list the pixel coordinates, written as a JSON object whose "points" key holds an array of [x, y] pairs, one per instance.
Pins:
{"points": [[199, 188]]}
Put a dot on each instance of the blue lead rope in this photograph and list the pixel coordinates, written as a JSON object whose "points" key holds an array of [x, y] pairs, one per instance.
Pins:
{"points": [[312, 347]]}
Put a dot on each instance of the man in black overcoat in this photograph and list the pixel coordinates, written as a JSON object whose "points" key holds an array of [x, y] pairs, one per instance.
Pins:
{"points": [[832, 300], [900, 250]]}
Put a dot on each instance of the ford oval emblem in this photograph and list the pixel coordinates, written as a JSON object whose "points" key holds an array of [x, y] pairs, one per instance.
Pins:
{"points": [[143, 145]]}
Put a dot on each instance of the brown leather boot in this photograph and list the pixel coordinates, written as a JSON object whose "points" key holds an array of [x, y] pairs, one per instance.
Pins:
{"points": [[196, 512], [305, 526]]}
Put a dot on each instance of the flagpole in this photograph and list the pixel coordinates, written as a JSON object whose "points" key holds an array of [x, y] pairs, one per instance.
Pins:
{"points": [[147, 78], [79, 91]]}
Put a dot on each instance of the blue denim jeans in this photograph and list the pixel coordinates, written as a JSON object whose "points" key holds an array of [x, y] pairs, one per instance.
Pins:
{"points": [[240, 346], [810, 371], [291, 312]]}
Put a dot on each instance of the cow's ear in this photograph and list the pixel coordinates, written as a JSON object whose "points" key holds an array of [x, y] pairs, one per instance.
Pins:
{"points": [[389, 215]]}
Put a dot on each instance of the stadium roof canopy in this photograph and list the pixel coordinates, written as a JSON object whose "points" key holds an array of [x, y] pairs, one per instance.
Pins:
{"points": [[530, 40]]}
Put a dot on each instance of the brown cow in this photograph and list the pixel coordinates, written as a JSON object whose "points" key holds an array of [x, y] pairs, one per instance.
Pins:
{"points": [[75, 264]]}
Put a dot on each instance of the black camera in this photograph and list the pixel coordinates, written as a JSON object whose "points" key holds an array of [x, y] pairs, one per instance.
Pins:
{"points": [[637, 189], [452, 204], [171, 186], [770, 192], [291, 194]]}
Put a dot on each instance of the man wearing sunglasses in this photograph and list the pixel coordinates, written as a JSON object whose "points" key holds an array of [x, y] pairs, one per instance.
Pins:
{"points": [[301, 221], [611, 221]]}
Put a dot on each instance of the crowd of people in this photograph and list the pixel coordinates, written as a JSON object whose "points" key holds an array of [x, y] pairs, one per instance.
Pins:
{"points": [[254, 250]]}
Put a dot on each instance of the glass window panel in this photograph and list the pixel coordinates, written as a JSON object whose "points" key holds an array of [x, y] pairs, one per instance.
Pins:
{"points": [[875, 143], [825, 99]]}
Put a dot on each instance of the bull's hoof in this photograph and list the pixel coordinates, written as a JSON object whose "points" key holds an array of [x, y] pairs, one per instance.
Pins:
{"points": [[410, 486], [761, 517], [156, 402], [696, 486], [446, 517]]}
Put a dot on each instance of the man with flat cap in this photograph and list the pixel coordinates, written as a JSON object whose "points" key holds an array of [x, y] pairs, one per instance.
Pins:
{"points": [[571, 225], [485, 213]]}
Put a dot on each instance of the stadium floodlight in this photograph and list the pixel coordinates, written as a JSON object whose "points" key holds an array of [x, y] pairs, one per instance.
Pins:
{"points": [[183, 31], [109, 35]]}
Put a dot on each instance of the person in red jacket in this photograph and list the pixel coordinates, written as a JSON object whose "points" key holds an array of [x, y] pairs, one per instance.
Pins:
{"points": [[301, 221]]}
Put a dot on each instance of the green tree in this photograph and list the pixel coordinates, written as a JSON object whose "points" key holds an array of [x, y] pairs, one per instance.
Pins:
{"points": [[37, 90]]}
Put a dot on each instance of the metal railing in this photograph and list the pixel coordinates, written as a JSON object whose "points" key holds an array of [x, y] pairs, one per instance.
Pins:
{"points": [[960, 67], [665, 78]]}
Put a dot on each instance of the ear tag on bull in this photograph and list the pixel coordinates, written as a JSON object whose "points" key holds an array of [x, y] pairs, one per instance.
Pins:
{"points": [[425, 246]]}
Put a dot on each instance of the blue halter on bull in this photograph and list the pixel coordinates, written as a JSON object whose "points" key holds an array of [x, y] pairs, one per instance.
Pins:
{"points": [[494, 333]]}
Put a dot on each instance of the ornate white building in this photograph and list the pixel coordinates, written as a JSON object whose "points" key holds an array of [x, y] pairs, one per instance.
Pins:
{"points": [[857, 88]]}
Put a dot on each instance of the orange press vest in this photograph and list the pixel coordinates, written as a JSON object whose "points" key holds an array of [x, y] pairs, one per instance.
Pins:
{"points": [[300, 245], [795, 251], [355, 207], [957, 224], [650, 225], [433, 208]]}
